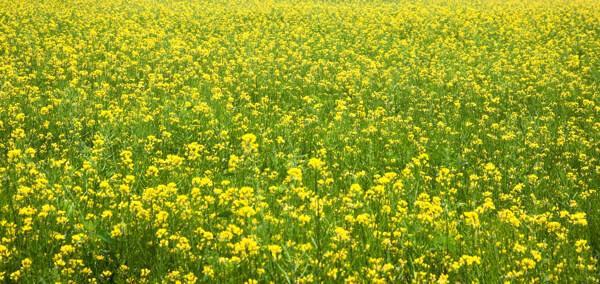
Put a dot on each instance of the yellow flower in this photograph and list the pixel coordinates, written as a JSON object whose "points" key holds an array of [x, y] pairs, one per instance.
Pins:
{"points": [[13, 155], [26, 263], [472, 219], [295, 174], [161, 217], [249, 143], [303, 219], [316, 163], [275, 250], [579, 218], [144, 272]]}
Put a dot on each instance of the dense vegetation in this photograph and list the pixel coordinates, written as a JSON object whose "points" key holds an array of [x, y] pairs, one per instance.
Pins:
{"points": [[299, 141]]}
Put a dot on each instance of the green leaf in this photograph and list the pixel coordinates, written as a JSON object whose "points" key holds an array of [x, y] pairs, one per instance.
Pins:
{"points": [[225, 214], [104, 236]]}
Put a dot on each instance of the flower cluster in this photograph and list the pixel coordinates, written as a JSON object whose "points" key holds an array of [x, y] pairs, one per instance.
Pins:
{"points": [[208, 141]]}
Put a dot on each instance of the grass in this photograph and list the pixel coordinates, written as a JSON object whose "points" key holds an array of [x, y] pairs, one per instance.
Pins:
{"points": [[299, 141]]}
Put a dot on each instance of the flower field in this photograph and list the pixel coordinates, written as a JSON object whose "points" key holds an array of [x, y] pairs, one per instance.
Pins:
{"points": [[334, 141]]}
